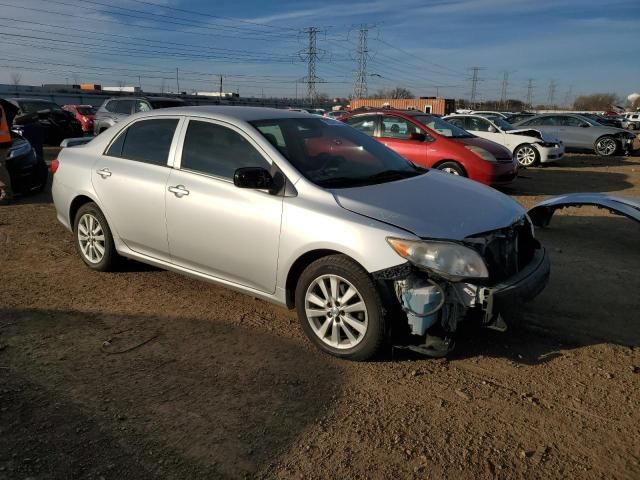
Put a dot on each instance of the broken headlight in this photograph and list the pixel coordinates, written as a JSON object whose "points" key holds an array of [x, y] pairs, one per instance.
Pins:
{"points": [[449, 260]]}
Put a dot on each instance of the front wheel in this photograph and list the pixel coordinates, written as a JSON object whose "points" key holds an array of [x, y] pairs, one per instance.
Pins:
{"points": [[453, 168], [94, 241], [606, 146], [527, 155], [339, 308]]}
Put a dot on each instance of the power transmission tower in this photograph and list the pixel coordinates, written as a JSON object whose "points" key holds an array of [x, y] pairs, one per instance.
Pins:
{"points": [[310, 55], [552, 92], [567, 97], [530, 87], [475, 78], [505, 85], [360, 89]]}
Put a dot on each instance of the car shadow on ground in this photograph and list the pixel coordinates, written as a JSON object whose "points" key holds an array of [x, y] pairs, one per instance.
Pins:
{"points": [[586, 161], [170, 397], [543, 181]]}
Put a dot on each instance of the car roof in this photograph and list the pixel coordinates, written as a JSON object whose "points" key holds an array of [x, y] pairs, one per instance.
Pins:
{"points": [[247, 114]]}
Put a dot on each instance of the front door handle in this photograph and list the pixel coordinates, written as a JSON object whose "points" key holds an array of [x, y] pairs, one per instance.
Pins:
{"points": [[179, 191], [104, 172]]}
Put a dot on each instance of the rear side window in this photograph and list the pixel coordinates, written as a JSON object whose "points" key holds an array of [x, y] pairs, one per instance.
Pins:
{"points": [[120, 106], [216, 150], [147, 141]]}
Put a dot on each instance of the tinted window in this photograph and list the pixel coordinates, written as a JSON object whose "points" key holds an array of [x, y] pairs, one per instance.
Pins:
{"points": [[166, 103], [477, 124], [397, 127], [364, 123], [30, 106], [219, 151], [145, 141], [122, 106]]}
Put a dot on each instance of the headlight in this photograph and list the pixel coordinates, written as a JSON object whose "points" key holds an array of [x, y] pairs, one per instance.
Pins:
{"points": [[23, 149], [482, 153], [450, 260]]}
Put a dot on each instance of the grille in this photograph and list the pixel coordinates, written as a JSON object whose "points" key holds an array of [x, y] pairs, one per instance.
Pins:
{"points": [[506, 251]]}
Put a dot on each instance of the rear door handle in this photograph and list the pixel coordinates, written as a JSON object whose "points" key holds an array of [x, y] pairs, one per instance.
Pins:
{"points": [[179, 191], [104, 172]]}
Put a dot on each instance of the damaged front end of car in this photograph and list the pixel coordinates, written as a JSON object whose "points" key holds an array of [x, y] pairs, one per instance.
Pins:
{"points": [[477, 279]]}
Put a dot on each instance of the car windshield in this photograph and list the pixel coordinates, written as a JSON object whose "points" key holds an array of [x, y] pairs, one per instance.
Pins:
{"points": [[31, 106], [442, 127], [82, 110], [333, 155]]}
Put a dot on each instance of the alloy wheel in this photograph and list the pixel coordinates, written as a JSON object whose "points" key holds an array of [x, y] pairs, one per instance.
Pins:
{"points": [[450, 170], [336, 311], [606, 146], [91, 238], [526, 156]]}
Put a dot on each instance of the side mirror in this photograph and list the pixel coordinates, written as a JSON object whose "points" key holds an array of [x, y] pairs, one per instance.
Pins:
{"points": [[256, 178], [418, 137]]}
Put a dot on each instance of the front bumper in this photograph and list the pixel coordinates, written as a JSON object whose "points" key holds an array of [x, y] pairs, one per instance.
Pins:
{"points": [[550, 154], [520, 288]]}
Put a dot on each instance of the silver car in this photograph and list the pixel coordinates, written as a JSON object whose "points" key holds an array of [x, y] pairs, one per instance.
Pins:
{"points": [[116, 109], [581, 133], [306, 212]]}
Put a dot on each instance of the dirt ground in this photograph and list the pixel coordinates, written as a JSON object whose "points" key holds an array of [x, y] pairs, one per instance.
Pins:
{"points": [[144, 374]]}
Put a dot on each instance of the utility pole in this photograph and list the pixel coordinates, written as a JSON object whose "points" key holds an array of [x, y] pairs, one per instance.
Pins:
{"points": [[139, 83], [310, 55], [360, 89], [475, 78], [178, 79], [505, 85], [567, 97], [220, 96], [530, 87], [552, 92]]}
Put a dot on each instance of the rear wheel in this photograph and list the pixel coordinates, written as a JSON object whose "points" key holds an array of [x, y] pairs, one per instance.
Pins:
{"points": [[527, 155], [339, 308], [94, 241], [453, 168], [606, 146]]}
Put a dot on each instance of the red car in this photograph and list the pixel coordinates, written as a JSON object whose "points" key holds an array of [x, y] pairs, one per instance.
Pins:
{"points": [[84, 114], [429, 141]]}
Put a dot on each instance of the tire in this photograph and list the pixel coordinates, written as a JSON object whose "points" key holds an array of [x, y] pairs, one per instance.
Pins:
{"points": [[355, 334], [527, 155], [453, 168], [606, 146], [90, 241]]}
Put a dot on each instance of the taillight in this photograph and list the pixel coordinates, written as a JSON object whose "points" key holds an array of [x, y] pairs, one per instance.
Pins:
{"points": [[53, 168]]}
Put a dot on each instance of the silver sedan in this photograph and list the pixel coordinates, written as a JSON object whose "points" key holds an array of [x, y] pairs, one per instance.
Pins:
{"points": [[306, 212]]}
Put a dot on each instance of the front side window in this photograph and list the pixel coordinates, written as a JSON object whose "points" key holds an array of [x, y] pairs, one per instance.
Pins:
{"points": [[123, 107], [478, 124], [216, 150], [365, 123], [571, 121], [397, 127], [147, 141], [332, 155]]}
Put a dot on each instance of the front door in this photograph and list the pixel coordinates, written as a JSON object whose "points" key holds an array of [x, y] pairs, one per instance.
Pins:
{"points": [[395, 133], [214, 227], [130, 180]]}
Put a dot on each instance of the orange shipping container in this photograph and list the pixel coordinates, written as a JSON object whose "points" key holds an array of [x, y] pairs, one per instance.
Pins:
{"points": [[90, 86]]}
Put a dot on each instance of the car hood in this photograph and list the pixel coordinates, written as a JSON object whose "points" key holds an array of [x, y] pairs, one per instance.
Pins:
{"points": [[532, 132], [497, 150], [434, 205]]}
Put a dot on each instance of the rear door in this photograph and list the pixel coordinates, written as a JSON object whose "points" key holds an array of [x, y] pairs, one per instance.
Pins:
{"points": [[579, 132], [395, 133], [214, 227], [130, 179]]}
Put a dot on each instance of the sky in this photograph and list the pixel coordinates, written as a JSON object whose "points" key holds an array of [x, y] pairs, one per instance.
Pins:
{"points": [[259, 46]]}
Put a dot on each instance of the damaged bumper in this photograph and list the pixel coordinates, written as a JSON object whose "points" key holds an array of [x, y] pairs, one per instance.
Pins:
{"points": [[518, 289]]}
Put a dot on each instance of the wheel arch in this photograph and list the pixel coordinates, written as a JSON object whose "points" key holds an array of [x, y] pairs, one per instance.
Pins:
{"points": [[445, 160], [299, 266], [75, 205]]}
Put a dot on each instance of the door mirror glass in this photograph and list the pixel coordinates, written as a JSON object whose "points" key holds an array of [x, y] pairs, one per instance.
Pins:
{"points": [[257, 178], [418, 137]]}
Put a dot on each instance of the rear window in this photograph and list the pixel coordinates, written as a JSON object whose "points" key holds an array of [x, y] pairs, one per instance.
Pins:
{"points": [[82, 110], [147, 141], [165, 103], [31, 106]]}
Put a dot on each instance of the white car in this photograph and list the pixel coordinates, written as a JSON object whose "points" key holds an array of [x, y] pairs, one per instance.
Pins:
{"points": [[530, 147], [484, 113]]}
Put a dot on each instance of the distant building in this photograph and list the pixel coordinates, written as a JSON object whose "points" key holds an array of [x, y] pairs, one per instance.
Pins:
{"points": [[439, 106]]}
